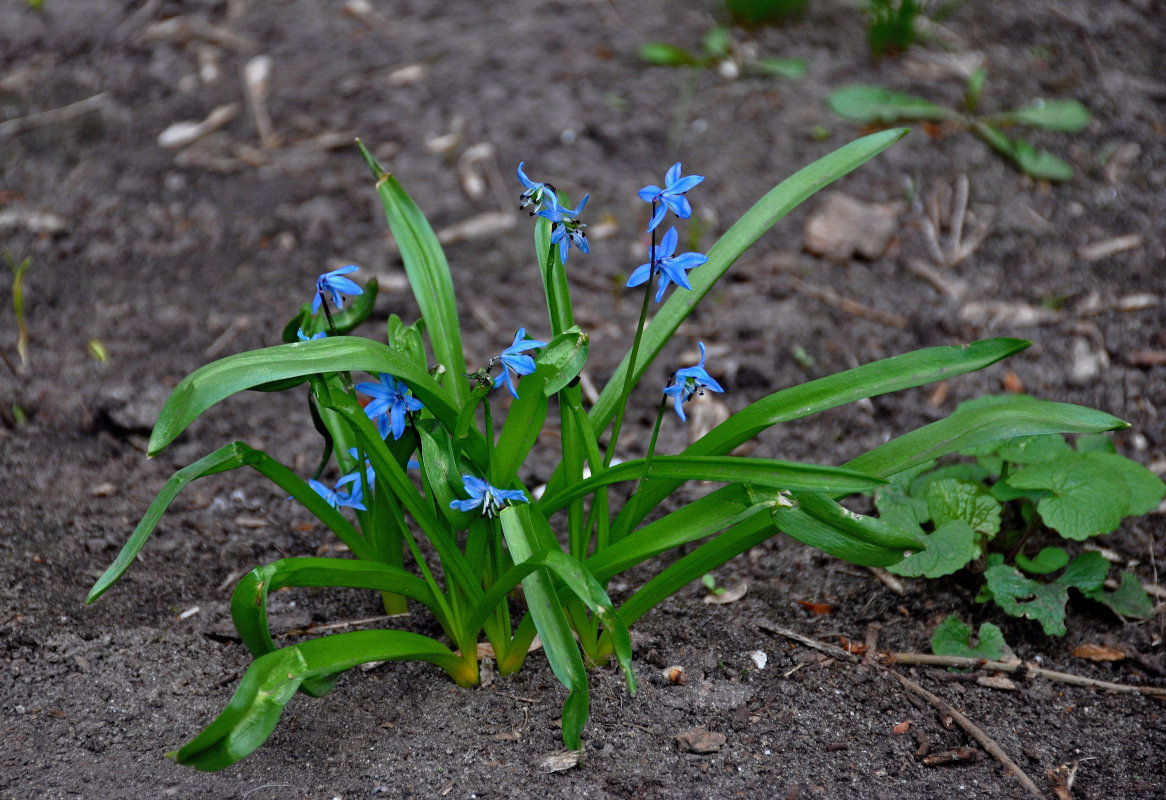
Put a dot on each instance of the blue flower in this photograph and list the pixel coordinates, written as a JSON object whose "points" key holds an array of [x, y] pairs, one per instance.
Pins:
{"points": [[303, 337], [671, 196], [689, 381], [513, 358], [534, 193], [353, 499], [391, 403], [490, 498], [353, 477], [671, 269], [335, 284], [567, 230]]}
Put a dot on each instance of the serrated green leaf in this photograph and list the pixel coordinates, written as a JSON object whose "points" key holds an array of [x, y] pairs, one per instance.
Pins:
{"points": [[1033, 449], [1048, 560], [1019, 596], [1085, 572], [951, 499], [1128, 600], [878, 104], [1084, 498], [947, 550], [953, 638]]}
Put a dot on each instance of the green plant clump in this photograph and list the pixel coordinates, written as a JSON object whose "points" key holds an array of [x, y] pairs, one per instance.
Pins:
{"points": [[433, 500], [878, 105]]}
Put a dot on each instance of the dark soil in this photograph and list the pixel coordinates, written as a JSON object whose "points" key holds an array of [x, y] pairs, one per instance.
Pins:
{"points": [[172, 258]]}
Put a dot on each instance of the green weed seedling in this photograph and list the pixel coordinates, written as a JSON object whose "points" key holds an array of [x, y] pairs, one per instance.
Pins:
{"points": [[877, 105], [981, 514], [432, 497], [721, 54]]}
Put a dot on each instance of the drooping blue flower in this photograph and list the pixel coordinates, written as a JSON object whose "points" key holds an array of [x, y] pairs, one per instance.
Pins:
{"points": [[353, 477], [353, 499], [566, 228], [670, 268], [303, 337], [689, 381], [335, 284], [513, 358], [671, 196], [534, 193], [491, 499], [391, 403]]}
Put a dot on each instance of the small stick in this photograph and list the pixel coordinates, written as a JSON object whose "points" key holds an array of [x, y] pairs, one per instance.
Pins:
{"points": [[53, 115], [828, 649], [923, 659], [959, 212], [973, 730]]}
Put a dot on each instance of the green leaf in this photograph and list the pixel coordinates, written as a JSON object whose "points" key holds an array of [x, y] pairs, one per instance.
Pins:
{"points": [[1146, 489], [1039, 164], [1068, 116], [1048, 560], [1086, 572], [1085, 499], [218, 380], [797, 524], [954, 638], [1019, 596], [780, 200], [230, 457], [272, 680], [787, 68], [428, 274], [1033, 449], [1128, 600], [667, 55], [717, 42], [407, 339], [877, 104], [1095, 443], [766, 472], [551, 622], [947, 550], [950, 499]]}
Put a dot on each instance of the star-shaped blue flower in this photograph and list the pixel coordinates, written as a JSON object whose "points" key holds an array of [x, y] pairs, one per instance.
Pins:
{"points": [[671, 196], [491, 499], [567, 230], [303, 337], [335, 284], [353, 499], [353, 477], [391, 403], [534, 193], [670, 268], [514, 358], [689, 381]]}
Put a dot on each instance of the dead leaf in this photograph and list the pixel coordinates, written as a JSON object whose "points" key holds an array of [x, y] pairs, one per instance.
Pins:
{"points": [[996, 682], [854, 648], [701, 740], [1098, 652], [845, 226], [560, 762], [727, 596], [820, 609]]}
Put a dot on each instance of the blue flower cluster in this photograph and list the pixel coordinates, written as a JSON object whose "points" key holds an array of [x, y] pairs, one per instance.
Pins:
{"points": [[566, 229]]}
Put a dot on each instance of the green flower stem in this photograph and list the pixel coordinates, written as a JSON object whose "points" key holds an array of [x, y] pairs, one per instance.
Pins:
{"points": [[660, 412], [621, 407]]}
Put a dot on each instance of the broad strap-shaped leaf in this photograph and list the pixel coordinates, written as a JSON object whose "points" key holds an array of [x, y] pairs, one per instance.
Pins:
{"points": [[428, 273], [232, 456], [767, 472], [906, 371], [218, 380], [562, 653], [878, 104], [273, 679], [249, 599]]}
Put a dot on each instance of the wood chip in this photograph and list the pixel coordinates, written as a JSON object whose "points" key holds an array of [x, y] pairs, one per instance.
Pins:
{"points": [[560, 762], [1098, 652], [1110, 247], [701, 740], [996, 682], [962, 755]]}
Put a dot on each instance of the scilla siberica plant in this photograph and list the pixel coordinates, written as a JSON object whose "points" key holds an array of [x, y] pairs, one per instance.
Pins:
{"points": [[487, 533]]}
